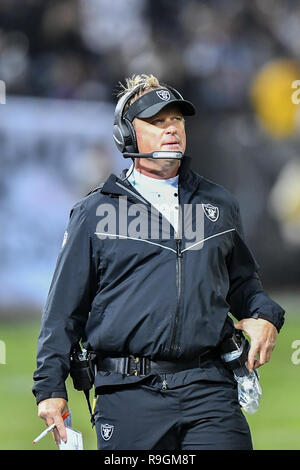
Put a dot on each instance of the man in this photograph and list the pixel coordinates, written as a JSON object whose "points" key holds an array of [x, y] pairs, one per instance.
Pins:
{"points": [[135, 287]]}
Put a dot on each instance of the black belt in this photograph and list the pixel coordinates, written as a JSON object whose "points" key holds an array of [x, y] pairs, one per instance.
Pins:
{"points": [[134, 365]]}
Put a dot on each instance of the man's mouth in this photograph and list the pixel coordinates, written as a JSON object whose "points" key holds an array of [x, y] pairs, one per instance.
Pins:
{"points": [[171, 144]]}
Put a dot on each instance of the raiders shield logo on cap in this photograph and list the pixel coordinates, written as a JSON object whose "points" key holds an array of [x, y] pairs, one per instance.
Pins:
{"points": [[163, 95], [107, 431], [211, 212]]}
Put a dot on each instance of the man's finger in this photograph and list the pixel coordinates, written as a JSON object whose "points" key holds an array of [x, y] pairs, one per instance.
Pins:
{"points": [[257, 364], [238, 325], [263, 356], [253, 351], [56, 436], [60, 429], [59, 432]]}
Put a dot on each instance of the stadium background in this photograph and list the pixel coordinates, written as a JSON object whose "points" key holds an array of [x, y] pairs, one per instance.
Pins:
{"points": [[61, 62]]}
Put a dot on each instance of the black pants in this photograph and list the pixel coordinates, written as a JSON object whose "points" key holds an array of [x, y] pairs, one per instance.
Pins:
{"points": [[201, 415]]}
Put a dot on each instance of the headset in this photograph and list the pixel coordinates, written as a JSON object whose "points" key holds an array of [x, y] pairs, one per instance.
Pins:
{"points": [[124, 133]]}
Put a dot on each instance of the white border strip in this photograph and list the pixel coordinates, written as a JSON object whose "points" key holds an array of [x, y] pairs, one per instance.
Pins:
{"points": [[133, 238], [132, 193], [208, 238], [107, 235]]}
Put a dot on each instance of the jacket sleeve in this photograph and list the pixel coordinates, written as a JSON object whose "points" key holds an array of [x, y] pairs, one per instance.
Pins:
{"points": [[66, 310], [246, 296]]}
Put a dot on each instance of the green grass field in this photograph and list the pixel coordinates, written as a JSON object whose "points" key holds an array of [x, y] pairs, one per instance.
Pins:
{"points": [[275, 426]]}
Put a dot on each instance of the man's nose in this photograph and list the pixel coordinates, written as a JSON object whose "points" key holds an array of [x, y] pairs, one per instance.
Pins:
{"points": [[171, 129]]}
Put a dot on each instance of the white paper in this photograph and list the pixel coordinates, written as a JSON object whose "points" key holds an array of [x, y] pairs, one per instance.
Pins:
{"points": [[74, 440]]}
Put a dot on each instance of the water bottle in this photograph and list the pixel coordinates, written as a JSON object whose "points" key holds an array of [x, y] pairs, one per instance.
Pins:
{"points": [[235, 354]]}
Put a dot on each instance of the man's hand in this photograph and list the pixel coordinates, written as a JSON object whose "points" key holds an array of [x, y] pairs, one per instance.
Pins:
{"points": [[51, 411], [263, 335]]}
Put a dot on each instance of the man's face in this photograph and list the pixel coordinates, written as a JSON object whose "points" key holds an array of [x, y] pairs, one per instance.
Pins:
{"points": [[165, 131]]}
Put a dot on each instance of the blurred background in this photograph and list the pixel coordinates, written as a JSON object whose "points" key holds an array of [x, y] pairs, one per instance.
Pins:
{"points": [[61, 62]]}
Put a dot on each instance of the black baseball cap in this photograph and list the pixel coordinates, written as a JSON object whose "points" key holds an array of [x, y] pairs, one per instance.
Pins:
{"points": [[152, 102]]}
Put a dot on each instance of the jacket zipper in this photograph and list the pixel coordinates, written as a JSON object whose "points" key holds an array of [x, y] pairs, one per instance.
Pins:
{"points": [[165, 383], [179, 288], [179, 283]]}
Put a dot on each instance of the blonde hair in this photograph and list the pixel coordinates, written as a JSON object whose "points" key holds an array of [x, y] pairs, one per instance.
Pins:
{"points": [[144, 82]]}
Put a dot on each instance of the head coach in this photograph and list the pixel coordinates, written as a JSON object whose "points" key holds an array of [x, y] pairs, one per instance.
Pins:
{"points": [[152, 305]]}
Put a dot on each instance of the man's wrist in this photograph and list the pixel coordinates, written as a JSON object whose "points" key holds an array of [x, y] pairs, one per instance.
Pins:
{"points": [[46, 395], [278, 322]]}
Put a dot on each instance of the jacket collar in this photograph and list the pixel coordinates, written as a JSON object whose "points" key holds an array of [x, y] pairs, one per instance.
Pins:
{"points": [[188, 180]]}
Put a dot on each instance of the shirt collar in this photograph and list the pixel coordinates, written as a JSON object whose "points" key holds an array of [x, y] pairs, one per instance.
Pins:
{"points": [[137, 179]]}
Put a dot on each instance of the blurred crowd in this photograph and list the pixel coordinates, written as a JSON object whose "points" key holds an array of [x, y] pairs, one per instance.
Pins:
{"points": [[82, 48], [236, 60]]}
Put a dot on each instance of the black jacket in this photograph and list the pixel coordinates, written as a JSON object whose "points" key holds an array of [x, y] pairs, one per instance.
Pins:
{"points": [[156, 296]]}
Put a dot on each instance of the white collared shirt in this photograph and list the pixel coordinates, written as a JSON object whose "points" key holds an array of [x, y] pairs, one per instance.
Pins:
{"points": [[161, 193]]}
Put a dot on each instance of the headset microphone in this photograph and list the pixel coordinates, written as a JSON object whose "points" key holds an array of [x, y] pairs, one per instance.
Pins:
{"points": [[156, 155]]}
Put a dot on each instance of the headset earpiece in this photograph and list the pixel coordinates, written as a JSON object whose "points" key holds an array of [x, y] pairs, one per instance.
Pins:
{"points": [[124, 133], [131, 144]]}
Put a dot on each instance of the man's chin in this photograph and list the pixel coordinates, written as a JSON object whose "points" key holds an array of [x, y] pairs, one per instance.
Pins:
{"points": [[170, 161], [165, 161]]}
